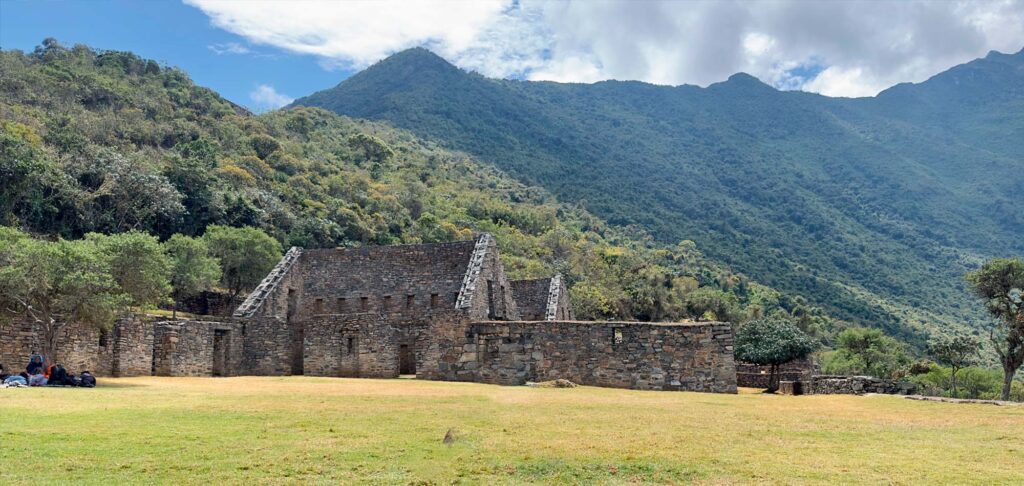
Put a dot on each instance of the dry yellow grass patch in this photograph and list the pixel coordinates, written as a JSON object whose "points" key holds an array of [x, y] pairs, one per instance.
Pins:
{"points": [[327, 430]]}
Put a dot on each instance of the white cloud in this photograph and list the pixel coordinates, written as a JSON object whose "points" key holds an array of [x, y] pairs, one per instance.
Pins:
{"points": [[856, 47], [229, 48], [265, 97]]}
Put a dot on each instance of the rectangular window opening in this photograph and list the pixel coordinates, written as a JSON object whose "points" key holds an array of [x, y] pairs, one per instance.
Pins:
{"points": [[318, 305], [409, 301], [434, 300], [364, 303], [617, 336]]}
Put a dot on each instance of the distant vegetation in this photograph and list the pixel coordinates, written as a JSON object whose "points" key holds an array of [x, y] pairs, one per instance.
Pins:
{"points": [[873, 208], [106, 142]]}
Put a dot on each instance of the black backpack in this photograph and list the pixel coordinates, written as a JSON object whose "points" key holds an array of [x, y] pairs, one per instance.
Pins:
{"points": [[58, 375], [88, 380]]}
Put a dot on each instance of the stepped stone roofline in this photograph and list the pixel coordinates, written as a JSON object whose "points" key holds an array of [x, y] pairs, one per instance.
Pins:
{"points": [[259, 295], [472, 276], [554, 293]]}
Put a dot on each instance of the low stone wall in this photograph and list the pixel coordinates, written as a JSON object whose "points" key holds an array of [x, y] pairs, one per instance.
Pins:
{"points": [[123, 350], [643, 356], [754, 376], [857, 385]]}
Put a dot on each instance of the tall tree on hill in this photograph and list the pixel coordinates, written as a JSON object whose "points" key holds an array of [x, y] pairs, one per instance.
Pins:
{"points": [[772, 342], [1000, 283], [246, 256]]}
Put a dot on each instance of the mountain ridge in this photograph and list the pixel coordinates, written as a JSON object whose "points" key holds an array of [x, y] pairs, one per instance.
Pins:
{"points": [[873, 206]]}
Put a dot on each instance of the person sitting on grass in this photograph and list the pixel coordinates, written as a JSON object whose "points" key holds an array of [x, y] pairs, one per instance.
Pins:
{"points": [[35, 364], [3, 375], [38, 379]]}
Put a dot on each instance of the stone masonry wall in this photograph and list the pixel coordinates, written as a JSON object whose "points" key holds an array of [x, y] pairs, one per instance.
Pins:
{"points": [[489, 294], [267, 346], [368, 345], [186, 348], [379, 279], [753, 376], [119, 351], [531, 298], [646, 356], [132, 348], [857, 385]]}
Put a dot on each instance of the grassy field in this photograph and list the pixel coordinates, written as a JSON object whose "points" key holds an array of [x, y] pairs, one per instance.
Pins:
{"points": [[324, 430]]}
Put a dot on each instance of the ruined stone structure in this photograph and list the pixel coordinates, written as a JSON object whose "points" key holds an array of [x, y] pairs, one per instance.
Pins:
{"points": [[857, 385], [438, 311], [754, 376]]}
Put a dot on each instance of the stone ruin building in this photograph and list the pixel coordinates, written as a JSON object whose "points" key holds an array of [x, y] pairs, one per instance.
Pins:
{"points": [[437, 311]]}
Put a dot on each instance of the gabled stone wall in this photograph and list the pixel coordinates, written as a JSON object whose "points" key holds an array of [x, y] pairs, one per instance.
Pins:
{"points": [[531, 298]]}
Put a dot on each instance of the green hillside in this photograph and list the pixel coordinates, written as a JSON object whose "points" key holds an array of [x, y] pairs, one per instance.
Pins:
{"points": [[106, 141], [874, 207]]}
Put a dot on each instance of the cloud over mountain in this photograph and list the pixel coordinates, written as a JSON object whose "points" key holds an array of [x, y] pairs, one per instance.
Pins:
{"points": [[850, 48]]}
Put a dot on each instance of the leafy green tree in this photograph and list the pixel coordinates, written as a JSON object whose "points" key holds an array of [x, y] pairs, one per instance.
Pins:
{"points": [[52, 284], [866, 351], [713, 304], [1000, 283], [772, 342], [956, 351], [246, 255], [264, 145], [138, 264], [193, 270], [373, 148], [19, 164]]}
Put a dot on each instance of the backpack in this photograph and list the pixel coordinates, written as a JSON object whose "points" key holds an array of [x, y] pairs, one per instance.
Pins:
{"points": [[74, 380], [88, 381], [58, 375]]}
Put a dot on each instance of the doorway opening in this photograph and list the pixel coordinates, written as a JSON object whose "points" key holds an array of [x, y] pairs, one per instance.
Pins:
{"points": [[221, 343], [406, 360]]}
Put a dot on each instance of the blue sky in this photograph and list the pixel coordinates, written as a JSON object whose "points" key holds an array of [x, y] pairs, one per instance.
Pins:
{"points": [[173, 33], [262, 54]]}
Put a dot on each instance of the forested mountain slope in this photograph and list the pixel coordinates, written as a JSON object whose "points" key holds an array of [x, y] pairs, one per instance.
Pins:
{"points": [[106, 141], [873, 207]]}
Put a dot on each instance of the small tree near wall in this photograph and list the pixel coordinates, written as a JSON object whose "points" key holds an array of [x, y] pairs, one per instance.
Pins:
{"points": [[772, 342]]}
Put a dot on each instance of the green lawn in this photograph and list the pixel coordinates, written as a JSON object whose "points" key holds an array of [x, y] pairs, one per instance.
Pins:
{"points": [[326, 430]]}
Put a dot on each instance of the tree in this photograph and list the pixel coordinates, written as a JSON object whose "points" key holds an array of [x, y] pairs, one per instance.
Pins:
{"points": [[772, 342], [954, 351], [861, 350], [713, 304], [52, 284], [138, 264], [1000, 283], [193, 270], [246, 255]]}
